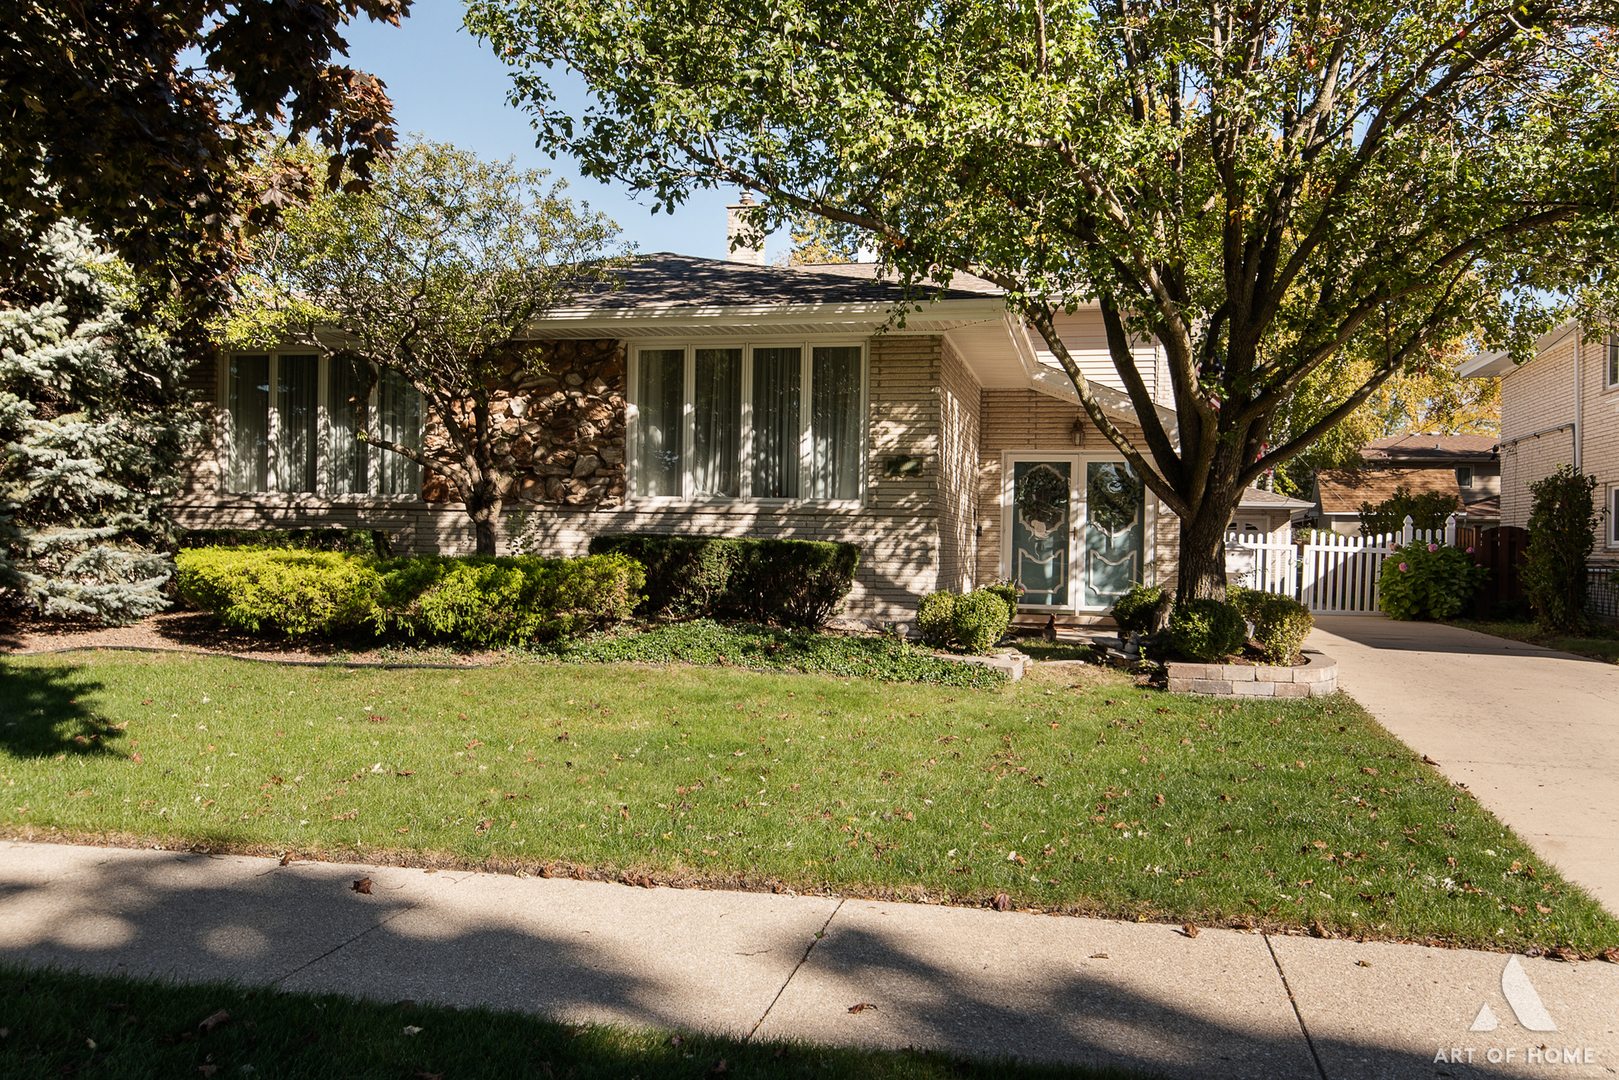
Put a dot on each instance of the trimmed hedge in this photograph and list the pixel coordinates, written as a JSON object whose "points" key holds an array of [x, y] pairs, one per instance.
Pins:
{"points": [[354, 541], [975, 621], [1134, 610], [935, 618], [1206, 630], [786, 582], [1280, 626], [479, 599]]}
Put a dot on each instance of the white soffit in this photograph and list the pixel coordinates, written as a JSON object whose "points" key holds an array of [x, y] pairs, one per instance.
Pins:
{"points": [[1497, 364]]}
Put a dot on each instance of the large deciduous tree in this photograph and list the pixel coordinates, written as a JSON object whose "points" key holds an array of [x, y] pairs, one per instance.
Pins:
{"points": [[139, 119], [434, 272], [1260, 186]]}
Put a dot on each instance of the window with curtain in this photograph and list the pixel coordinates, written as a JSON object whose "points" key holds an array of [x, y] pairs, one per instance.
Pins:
{"points": [[249, 405], [779, 421], [280, 405], [777, 374], [835, 423], [296, 404], [659, 388], [716, 468]]}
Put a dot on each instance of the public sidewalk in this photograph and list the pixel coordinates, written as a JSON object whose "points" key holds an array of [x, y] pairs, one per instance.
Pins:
{"points": [[969, 981], [1532, 732]]}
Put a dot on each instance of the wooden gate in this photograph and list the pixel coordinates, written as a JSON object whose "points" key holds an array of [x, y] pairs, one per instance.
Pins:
{"points": [[1502, 551]]}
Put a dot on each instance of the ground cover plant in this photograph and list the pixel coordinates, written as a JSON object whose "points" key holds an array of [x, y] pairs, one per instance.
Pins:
{"points": [[703, 641], [59, 1024], [1079, 793], [1600, 641]]}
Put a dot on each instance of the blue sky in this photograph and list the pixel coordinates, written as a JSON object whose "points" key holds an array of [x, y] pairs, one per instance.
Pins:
{"points": [[448, 86]]}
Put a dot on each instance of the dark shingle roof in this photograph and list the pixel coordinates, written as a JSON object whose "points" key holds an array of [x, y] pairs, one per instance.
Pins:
{"points": [[1430, 448], [665, 279]]}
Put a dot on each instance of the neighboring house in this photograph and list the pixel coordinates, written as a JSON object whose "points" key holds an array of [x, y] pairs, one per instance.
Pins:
{"points": [[1270, 514], [1465, 466], [1560, 408], [712, 398]]}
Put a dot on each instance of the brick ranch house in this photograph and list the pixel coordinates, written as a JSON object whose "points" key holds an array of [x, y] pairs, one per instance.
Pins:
{"points": [[733, 398]]}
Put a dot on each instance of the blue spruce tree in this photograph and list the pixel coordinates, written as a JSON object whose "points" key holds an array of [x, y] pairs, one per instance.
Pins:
{"points": [[94, 421]]}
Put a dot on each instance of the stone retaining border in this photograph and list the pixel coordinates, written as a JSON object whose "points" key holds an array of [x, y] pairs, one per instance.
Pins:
{"points": [[1318, 677]]}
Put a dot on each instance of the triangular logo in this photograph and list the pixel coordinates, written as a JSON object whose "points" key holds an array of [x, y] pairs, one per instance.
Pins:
{"points": [[1520, 994]]}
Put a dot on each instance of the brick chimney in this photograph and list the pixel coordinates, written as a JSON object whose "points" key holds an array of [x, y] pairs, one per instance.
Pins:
{"points": [[734, 225]]}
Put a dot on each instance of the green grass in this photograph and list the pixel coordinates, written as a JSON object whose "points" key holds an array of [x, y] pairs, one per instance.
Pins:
{"points": [[59, 1024], [1101, 798], [1038, 649], [1601, 644]]}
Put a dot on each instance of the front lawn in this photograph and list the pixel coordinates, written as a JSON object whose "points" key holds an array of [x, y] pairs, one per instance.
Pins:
{"points": [[1101, 798], [59, 1024], [1601, 644]]}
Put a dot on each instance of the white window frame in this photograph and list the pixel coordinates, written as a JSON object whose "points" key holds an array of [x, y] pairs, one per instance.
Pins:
{"points": [[1077, 513], [1611, 531], [1610, 362], [1465, 485], [688, 429], [323, 436]]}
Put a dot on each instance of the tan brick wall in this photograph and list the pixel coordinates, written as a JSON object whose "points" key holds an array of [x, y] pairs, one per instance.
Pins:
{"points": [[959, 417], [1026, 420], [1599, 443], [1536, 396]]}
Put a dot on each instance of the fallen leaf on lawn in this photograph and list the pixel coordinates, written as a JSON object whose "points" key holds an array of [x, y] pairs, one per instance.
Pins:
{"points": [[1544, 910], [350, 816], [1368, 770], [1099, 956], [483, 826], [1320, 931], [1426, 760], [1611, 955], [362, 886], [406, 772], [862, 1007], [220, 1017], [412, 1029], [719, 1068], [1002, 902], [1566, 954], [676, 1040], [289, 857], [1363, 963], [1190, 930]]}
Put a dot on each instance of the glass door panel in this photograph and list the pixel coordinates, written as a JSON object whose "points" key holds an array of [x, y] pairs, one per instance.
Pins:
{"points": [[1114, 531], [1041, 519]]}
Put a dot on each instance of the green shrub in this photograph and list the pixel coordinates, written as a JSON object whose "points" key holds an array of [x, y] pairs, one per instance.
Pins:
{"points": [[790, 582], [1427, 511], [487, 599], [1008, 591], [353, 541], [1247, 601], [1427, 581], [978, 620], [935, 618], [299, 593], [1280, 625], [1562, 531], [1206, 630], [482, 600], [1134, 610]]}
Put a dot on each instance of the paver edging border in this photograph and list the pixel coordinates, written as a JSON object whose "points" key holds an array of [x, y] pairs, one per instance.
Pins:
{"points": [[1316, 677]]}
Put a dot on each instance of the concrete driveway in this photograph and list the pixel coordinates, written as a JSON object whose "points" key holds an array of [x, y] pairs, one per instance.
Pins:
{"points": [[1532, 732]]}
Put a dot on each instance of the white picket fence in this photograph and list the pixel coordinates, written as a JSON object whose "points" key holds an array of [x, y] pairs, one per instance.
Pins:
{"points": [[1330, 574]]}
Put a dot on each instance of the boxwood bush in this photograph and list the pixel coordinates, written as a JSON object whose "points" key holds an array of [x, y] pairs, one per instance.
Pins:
{"points": [[784, 582], [1134, 610], [1206, 630], [1280, 625], [978, 620], [935, 618], [477, 599]]}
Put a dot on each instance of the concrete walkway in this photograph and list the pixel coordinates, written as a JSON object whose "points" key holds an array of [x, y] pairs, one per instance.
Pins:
{"points": [[971, 981], [1534, 733]]}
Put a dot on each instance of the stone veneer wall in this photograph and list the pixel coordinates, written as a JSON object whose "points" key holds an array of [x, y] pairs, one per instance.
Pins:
{"points": [[1026, 420], [564, 434]]}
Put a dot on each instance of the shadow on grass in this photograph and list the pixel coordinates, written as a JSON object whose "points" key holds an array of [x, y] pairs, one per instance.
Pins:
{"points": [[43, 712], [584, 955]]}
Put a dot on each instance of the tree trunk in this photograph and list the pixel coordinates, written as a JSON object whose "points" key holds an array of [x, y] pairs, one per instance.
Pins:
{"points": [[484, 509], [1202, 552]]}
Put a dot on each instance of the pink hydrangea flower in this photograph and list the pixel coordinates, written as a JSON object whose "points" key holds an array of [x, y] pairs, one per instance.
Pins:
{"points": [[1404, 568], [1433, 547], [1470, 551]]}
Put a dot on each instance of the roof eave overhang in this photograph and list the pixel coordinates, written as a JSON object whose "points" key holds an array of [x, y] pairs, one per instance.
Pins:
{"points": [[657, 320]]}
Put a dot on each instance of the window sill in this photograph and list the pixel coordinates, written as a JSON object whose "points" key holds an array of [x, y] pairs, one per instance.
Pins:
{"points": [[745, 505], [315, 499]]}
